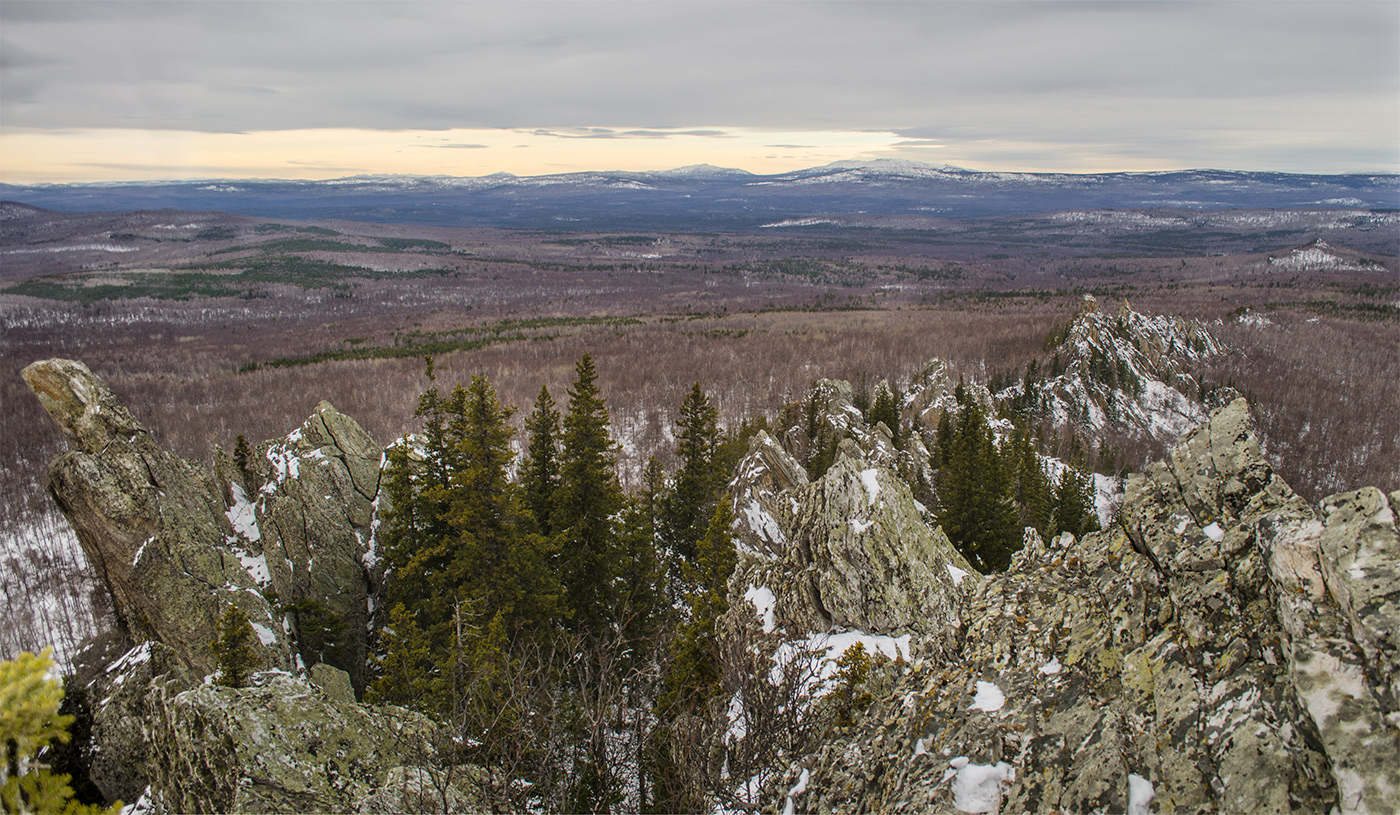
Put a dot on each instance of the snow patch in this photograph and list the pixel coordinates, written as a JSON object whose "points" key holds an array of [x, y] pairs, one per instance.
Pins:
{"points": [[763, 604], [989, 697], [243, 515], [870, 478], [977, 787], [1140, 795], [1214, 532], [956, 573], [1052, 667], [265, 635]]}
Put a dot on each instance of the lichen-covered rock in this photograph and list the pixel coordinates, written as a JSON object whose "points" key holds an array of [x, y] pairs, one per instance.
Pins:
{"points": [[281, 745], [1194, 656], [306, 533], [120, 708], [756, 492], [877, 566], [852, 550], [151, 523]]}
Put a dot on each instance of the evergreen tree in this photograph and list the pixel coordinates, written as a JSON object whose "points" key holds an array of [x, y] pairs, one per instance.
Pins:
{"points": [[692, 500], [468, 575], [589, 498], [642, 574], [30, 698], [242, 457], [975, 506], [885, 409], [693, 676], [540, 472], [234, 649], [1033, 491], [1073, 510], [943, 441]]}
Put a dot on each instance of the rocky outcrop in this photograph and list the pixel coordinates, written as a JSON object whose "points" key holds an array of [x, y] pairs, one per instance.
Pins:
{"points": [[757, 495], [283, 745], [1128, 372], [151, 523], [851, 550], [1196, 657], [307, 533], [289, 539]]}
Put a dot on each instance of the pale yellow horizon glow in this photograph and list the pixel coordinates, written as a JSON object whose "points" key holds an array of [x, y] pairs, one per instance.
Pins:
{"points": [[33, 156], [67, 156]]}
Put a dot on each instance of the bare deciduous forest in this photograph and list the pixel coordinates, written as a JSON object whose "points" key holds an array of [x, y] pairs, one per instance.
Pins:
{"points": [[224, 325]]}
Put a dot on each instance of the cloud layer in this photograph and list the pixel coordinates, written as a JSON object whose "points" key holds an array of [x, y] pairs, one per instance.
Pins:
{"points": [[1308, 84]]}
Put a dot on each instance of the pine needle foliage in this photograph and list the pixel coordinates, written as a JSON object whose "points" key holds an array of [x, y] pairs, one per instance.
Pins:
{"points": [[692, 500], [589, 500]]}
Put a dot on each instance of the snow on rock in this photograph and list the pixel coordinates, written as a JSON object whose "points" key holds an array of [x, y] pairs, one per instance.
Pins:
{"points": [[763, 604], [957, 574], [243, 515], [870, 478], [977, 787], [814, 658], [1140, 795], [1052, 667], [1214, 532], [989, 697]]}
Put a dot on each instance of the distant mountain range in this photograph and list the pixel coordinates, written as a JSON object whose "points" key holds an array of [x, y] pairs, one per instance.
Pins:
{"points": [[704, 196]]}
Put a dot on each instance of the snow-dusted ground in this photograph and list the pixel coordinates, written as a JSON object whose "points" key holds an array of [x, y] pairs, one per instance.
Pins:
{"points": [[49, 594]]}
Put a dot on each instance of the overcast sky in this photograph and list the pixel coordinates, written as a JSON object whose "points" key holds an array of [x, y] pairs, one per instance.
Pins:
{"points": [[93, 91]]}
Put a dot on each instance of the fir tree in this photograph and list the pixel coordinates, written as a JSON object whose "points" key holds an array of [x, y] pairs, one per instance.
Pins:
{"points": [[30, 698], [540, 472], [975, 505], [234, 648], [1033, 491], [469, 575], [589, 498], [693, 676], [690, 503], [885, 409], [1073, 510]]}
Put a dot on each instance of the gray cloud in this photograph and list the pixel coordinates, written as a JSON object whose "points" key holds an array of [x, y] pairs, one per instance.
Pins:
{"points": [[1221, 76]]}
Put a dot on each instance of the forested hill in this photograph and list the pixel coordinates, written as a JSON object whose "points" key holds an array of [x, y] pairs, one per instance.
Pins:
{"points": [[853, 192]]}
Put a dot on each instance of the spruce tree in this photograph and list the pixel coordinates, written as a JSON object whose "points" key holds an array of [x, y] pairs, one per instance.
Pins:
{"points": [[234, 648], [1033, 491], [1073, 510], [468, 574], [589, 498], [975, 505], [540, 472], [690, 503], [885, 409]]}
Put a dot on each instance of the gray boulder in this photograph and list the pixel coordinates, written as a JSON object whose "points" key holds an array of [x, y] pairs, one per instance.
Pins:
{"points": [[306, 530]]}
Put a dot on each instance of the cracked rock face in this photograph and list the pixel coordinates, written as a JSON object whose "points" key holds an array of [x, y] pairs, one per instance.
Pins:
{"points": [[151, 523], [308, 508], [1223, 648], [850, 550], [281, 745]]}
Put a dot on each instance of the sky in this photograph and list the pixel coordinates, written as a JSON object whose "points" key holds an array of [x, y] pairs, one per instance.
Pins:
{"points": [[119, 90]]}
